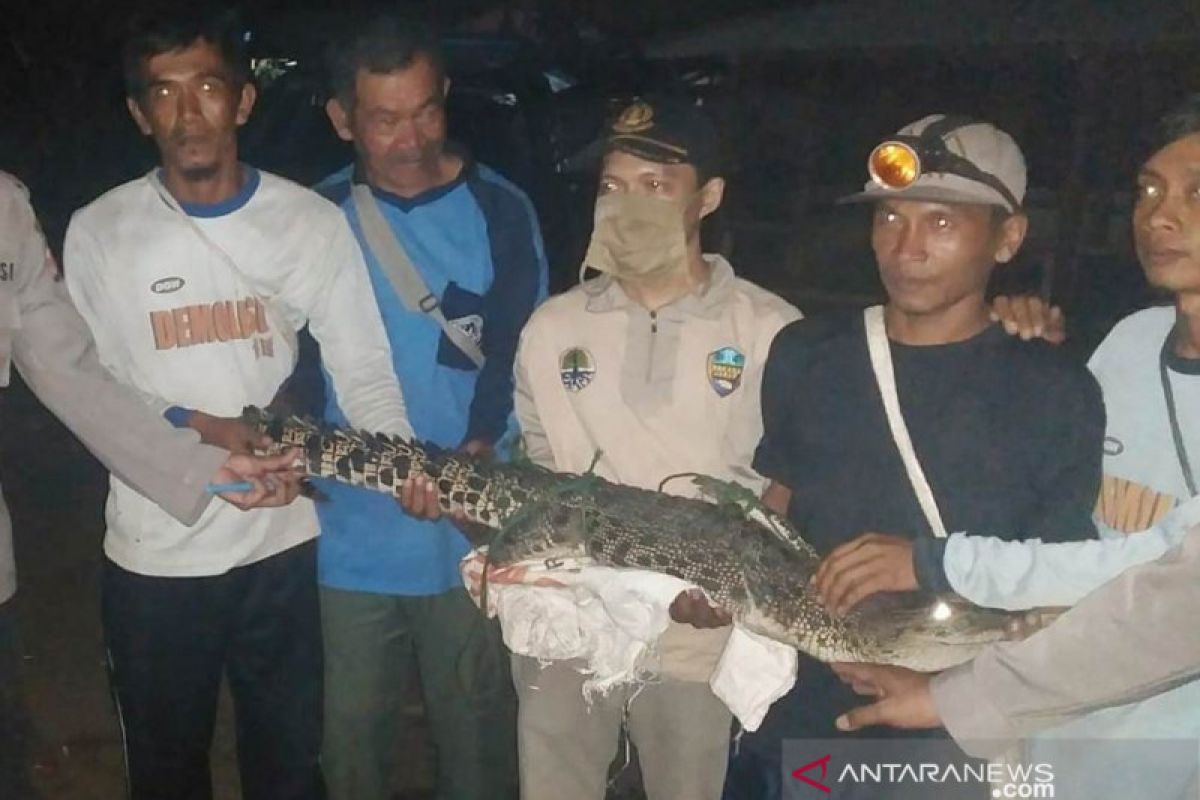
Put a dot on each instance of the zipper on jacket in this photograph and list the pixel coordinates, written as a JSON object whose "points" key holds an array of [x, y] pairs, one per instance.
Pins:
{"points": [[653, 338]]}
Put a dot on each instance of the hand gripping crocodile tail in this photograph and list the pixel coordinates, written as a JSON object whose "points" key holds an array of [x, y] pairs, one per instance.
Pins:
{"points": [[746, 558]]}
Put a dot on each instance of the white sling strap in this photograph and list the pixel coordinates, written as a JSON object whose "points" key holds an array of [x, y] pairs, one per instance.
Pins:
{"points": [[885, 377], [402, 273]]}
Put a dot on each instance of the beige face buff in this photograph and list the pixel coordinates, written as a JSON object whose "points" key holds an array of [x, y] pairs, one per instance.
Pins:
{"points": [[635, 237]]}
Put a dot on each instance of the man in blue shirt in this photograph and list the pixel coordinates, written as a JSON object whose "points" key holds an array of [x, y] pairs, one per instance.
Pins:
{"points": [[390, 583]]}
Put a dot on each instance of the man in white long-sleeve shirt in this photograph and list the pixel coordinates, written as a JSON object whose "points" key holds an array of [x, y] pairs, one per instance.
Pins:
{"points": [[1130, 640], [194, 280], [43, 337]]}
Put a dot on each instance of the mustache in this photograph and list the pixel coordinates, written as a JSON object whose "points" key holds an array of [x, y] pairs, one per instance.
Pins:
{"points": [[416, 156], [186, 135]]}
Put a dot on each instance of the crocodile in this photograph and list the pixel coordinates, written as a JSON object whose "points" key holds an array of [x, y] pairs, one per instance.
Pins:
{"points": [[747, 559]]}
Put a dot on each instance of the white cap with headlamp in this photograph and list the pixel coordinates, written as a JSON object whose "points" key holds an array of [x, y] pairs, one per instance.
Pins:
{"points": [[947, 159]]}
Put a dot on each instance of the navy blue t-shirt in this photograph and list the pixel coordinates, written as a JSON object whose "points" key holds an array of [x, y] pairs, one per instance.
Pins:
{"points": [[1009, 434]]}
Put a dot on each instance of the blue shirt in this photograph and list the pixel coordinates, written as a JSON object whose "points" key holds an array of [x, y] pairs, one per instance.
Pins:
{"points": [[476, 243]]}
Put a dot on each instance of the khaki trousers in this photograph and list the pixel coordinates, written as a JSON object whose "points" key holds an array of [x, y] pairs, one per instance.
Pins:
{"points": [[566, 746]]}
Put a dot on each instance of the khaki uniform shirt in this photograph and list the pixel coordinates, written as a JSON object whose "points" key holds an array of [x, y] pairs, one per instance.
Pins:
{"points": [[43, 334], [646, 395]]}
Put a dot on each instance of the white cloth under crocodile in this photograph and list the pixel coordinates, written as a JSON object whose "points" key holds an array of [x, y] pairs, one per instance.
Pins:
{"points": [[611, 619]]}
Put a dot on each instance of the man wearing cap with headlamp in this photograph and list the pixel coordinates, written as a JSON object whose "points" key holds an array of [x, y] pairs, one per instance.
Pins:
{"points": [[1149, 369], [649, 370], [998, 434]]}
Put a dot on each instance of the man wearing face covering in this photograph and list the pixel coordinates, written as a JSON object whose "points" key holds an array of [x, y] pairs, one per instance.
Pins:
{"points": [[649, 370]]}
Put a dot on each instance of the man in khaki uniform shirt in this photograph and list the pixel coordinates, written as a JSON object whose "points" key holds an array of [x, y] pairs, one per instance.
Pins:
{"points": [[650, 370], [42, 333]]}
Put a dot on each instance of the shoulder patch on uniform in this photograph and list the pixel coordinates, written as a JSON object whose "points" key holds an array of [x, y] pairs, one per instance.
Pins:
{"points": [[725, 368], [576, 368]]}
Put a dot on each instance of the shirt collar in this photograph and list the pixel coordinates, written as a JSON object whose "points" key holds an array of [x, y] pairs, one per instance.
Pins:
{"points": [[251, 178], [605, 294], [433, 194]]}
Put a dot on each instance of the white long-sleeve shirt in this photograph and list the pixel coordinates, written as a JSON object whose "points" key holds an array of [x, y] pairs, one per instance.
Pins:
{"points": [[1018, 575], [206, 319], [45, 338], [1131, 639], [1143, 512]]}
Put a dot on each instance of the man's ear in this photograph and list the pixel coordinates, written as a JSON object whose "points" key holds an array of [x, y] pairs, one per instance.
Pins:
{"points": [[1010, 236], [246, 102], [339, 115], [711, 194], [139, 118]]}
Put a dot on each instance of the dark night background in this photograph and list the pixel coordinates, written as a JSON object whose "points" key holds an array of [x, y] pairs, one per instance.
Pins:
{"points": [[800, 90]]}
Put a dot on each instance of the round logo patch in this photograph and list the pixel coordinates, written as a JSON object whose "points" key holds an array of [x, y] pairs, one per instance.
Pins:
{"points": [[725, 368], [576, 368]]}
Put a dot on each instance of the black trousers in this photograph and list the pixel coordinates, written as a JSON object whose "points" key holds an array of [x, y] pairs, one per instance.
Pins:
{"points": [[16, 732], [169, 642], [808, 712]]}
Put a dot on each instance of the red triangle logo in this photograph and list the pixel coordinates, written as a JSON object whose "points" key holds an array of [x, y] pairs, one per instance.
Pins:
{"points": [[823, 763]]}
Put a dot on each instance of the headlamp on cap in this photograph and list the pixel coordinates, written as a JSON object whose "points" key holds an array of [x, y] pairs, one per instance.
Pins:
{"points": [[899, 162], [894, 165]]}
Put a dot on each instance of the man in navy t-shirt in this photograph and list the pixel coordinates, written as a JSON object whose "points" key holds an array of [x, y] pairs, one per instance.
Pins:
{"points": [[1007, 433]]}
